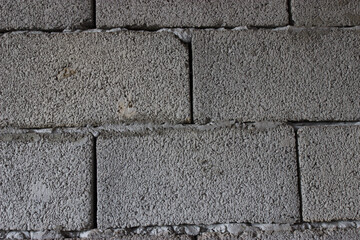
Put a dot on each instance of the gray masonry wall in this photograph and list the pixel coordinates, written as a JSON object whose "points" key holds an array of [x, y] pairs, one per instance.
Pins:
{"points": [[330, 176], [46, 181], [80, 79], [276, 75], [189, 13], [179, 119], [191, 176], [326, 13], [331, 234], [46, 14]]}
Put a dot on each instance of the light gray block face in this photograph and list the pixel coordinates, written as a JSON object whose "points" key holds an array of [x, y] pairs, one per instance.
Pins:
{"points": [[314, 234], [153, 237], [255, 75], [325, 12], [189, 13], [45, 14], [46, 181], [330, 173], [192, 176], [77, 79], [138, 237]]}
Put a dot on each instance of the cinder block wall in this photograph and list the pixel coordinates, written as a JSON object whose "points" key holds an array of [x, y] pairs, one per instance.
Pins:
{"points": [[180, 119]]}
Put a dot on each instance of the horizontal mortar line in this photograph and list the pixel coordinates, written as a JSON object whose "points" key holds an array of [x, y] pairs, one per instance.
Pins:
{"points": [[152, 126], [115, 127], [301, 124], [201, 228], [119, 29]]}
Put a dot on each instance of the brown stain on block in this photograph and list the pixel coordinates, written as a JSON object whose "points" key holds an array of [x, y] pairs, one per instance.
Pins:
{"points": [[65, 73]]}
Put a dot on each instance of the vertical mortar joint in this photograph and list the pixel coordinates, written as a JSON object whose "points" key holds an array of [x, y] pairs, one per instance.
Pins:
{"points": [[298, 174], [94, 13], [94, 185], [291, 21], [191, 83]]}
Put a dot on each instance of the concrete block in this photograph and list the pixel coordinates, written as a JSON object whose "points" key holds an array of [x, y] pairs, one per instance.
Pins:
{"points": [[313, 234], [255, 75], [154, 237], [142, 237], [46, 181], [193, 176], [189, 13], [77, 79], [46, 14], [325, 13], [330, 172]]}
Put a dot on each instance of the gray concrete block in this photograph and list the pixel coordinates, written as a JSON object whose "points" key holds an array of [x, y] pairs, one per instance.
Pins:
{"points": [[193, 176], [314, 234], [77, 79], [189, 13], [254, 75], [142, 237], [46, 181], [325, 12], [45, 14], [330, 172], [152, 237]]}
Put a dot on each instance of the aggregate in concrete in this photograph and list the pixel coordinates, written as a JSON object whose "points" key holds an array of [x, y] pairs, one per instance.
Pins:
{"points": [[193, 176], [76, 79], [45, 14], [189, 13], [313, 234], [294, 74], [325, 13], [330, 172], [153, 237], [46, 181], [141, 237]]}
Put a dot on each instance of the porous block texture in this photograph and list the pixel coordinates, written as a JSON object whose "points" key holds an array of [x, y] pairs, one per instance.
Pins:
{"points": [[79, 79], [313, 234], [254, 75], [153, 237], [193, 176], [325, 12], [330, 172], [45, 14], [46, 181], [190, 13]]}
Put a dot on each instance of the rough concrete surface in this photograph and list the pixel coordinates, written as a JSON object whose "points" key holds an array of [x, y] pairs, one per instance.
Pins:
{"points": [[326, 12], [77, 79], [141, 237], [294, 74], [314, 234], [330, 172], [45, 181], [154, 237], [45, 14], [179, 176], [189, 13]]}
